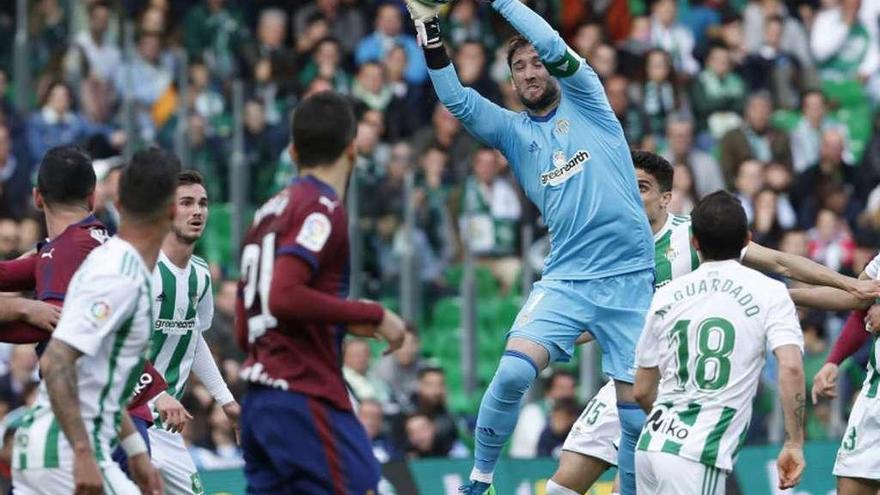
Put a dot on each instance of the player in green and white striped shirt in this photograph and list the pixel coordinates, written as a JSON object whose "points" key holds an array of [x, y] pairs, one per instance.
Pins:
{"points": [[97, 352], [184, 308], [590, 448], [704, 342], [857, 466]]}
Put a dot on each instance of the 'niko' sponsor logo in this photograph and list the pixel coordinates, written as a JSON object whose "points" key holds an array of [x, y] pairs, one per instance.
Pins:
{"points": [[564, 170]]}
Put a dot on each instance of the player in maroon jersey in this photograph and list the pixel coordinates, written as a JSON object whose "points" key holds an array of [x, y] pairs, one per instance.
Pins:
{"points": [[292, 317], [65, 194]]}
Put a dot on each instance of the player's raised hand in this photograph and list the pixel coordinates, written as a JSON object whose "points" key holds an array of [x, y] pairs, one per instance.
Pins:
{"points": [[825, 383], [172, 413], [86, 474], [393, 330], [145, 475], [790, 465], [41, 315], [864, 289], [421, 13]]}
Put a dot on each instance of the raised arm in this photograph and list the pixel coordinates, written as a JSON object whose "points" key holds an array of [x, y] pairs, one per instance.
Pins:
{"points": [[827, 298], [577, 78], [807, 271]]}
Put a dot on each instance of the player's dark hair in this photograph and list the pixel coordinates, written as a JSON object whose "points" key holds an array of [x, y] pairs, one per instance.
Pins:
{"points": [[147, 183], [515, 44], [190, 177], [323, 126], [656, 166], [66, 176], [720, 226]]}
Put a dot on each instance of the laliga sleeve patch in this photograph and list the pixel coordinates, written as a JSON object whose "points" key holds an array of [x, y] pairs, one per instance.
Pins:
{"points": [[314, 233], [99, 311]]}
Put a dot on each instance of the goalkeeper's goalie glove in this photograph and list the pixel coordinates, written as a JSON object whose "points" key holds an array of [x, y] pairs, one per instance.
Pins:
{"points": [[427, 24]]}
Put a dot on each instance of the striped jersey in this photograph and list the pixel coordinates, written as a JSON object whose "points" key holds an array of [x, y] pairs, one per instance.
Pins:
{"points": [[183, 305], [872, 380], [707, 332], [107, 316], [674, 255]]}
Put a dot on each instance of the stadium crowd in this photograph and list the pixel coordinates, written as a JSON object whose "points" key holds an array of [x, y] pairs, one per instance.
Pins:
{"points": [[775, 100]]}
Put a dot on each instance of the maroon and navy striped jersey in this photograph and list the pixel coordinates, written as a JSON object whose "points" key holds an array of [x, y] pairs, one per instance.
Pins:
{"points": [[305, 220]]}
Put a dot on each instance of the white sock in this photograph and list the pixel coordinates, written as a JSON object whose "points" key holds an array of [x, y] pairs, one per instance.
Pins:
{"points": [[554, 488], [477, 475]]}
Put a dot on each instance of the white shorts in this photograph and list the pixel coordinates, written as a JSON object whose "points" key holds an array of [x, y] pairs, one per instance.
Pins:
{"points": [[58, 481], [169, 455], [858, 456], [596, 433], [659, 473]]}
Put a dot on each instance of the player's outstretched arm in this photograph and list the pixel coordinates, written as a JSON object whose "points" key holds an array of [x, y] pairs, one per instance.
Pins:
{"points": [[291, 298], [18, 274], [58, 366], [577, 78], [483, 119], [791, 462], [41, 315], [827, 298], [807, 271]]}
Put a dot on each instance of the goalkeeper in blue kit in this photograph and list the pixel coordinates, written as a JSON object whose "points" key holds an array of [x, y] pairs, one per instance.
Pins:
{"points": [[568, 152]]}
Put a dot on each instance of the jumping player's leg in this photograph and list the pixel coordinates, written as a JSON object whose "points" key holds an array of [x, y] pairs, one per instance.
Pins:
{"points": [[546, 325], [620, 304], [576, 473], [171, 458], [856, 486], [590, 447], [499, 409]]}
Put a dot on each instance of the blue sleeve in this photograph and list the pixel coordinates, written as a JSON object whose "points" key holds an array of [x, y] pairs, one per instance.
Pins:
{"points": [[483, 119], [578, 80]]}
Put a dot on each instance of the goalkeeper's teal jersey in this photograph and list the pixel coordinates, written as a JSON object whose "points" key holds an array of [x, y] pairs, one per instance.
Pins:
{"points": [[573, 164]]}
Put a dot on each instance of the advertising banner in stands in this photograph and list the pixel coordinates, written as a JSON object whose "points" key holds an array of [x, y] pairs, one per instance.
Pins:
{"points": [[755, 475]]}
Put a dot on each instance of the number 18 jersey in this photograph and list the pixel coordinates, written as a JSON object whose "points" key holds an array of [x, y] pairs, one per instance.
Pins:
{"points": [[708, 332], [305, 220]]}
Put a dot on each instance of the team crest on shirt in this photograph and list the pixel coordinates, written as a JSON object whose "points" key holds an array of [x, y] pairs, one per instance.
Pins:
{"points": [[671, 254], [562, 126], [314, 232], [564, 169]]}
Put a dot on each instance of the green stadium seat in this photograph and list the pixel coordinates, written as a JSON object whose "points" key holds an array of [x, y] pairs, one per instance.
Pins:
{"points": [[785, 120], [847, 94], [215, 246], [858, 121], [487, 286]]}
